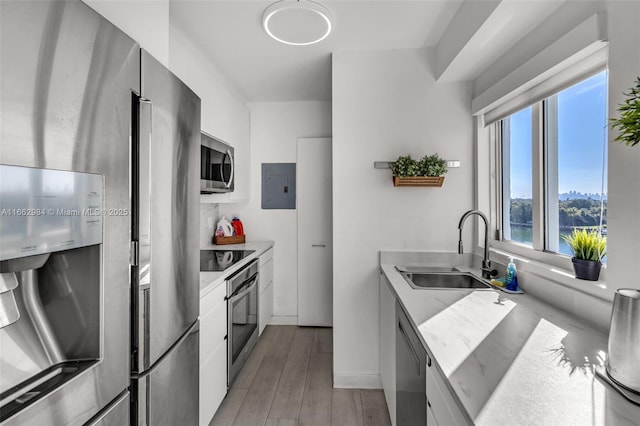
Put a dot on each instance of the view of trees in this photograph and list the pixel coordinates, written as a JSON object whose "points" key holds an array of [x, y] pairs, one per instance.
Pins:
{"points": [[573, 212]]}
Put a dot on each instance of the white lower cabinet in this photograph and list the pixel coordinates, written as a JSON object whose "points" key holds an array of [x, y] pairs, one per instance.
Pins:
{"points": [[442, 409], [388, 346], [266, 308], [265, 289], [213, 352], [213, 382]]}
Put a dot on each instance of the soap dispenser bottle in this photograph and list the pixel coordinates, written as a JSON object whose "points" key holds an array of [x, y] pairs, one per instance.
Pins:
{"points": [[512, 276]]}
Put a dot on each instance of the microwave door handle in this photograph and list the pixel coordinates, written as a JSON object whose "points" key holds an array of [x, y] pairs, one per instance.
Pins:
{"points": [[228, 184], [244, 292], [222, 169]]}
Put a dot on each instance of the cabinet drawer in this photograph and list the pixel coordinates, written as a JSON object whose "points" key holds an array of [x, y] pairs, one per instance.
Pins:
{"points": [[212, 299], [213, 383], [266, 308], [441, 407], [265, 257], [266, 275], [213, 328]]}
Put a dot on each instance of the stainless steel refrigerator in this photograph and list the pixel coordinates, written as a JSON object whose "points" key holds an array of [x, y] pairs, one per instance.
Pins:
{"points": [[166, 264], [99, 278]]}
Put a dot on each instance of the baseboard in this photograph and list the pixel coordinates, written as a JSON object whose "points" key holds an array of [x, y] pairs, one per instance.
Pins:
{"points": [[361, 381], [284, 320]]}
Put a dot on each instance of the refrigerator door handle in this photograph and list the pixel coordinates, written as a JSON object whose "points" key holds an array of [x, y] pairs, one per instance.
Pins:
{"points": [[140, 230], [143, 195], [195, 328]]}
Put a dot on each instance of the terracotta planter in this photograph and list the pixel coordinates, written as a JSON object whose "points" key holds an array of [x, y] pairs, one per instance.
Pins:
{"points": [[586, 269], [418, 181]]}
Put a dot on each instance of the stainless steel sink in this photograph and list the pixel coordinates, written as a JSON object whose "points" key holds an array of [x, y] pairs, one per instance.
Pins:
{"points": [[426, 269], [444, 280]]}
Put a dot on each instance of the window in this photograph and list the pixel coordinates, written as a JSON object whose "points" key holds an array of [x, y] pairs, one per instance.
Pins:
{"points": [[517, 178], [554, 166]]}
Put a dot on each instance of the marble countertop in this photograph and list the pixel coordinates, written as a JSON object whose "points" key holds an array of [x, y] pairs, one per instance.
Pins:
{"points": [[509, 359], [211, 280]]}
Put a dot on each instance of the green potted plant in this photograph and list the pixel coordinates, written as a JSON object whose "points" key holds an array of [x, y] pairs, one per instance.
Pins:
{"points": [[427, 171], [628, 124], [432, 165], [405, 166], [589, 247]]}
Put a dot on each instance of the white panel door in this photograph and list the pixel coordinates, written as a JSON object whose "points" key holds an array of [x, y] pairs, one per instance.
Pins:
{"points": [[315, 229]]}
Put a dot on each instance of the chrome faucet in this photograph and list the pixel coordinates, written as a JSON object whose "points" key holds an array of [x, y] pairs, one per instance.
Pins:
{"points": [[487, 271]]}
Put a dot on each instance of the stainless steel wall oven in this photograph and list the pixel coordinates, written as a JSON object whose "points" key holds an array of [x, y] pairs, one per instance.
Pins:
{"points": [[242, 314]]}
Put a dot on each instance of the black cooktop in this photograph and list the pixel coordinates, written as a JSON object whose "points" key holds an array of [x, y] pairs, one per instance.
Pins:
{"points": [[219, 260]]}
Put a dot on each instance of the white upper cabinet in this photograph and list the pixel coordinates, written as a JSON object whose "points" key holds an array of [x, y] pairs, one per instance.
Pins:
{"points": [[242, 172]]}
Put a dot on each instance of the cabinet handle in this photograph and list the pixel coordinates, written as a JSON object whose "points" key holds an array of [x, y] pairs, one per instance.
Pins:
{"points": [[318, 245], [428, 361], [428, 403], [408, 343]]}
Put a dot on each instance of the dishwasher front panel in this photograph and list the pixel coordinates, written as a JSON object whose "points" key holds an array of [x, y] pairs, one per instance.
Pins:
{"points": [[411, 361]]}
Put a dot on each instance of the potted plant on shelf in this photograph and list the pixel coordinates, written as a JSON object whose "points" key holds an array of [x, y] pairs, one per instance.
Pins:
{"points": [[628, 124], [589, 247], [427, 171]]}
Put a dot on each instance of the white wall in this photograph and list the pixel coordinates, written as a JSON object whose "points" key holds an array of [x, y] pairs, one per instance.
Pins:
{"points": [[623, 228], [386, 104], [145, 21], [275, 128], [209, 214], [225, 113]]}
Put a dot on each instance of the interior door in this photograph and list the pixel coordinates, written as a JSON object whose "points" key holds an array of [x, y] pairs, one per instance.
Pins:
{"points": [[315, 232]]}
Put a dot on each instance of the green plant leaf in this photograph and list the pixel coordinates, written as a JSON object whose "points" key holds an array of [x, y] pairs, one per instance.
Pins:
{"points": [[628, 123], [432, 165], [587, 244], [405, 166]]}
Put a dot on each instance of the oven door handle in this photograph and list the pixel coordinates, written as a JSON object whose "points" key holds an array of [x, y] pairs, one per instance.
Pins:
{"points": [[244, 292]]}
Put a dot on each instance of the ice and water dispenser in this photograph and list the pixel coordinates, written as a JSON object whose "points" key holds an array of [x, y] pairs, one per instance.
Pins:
{"points": [[51, 232]]}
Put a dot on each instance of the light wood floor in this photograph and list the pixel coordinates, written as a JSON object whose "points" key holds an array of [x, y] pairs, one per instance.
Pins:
{"points": [[287, 381]]}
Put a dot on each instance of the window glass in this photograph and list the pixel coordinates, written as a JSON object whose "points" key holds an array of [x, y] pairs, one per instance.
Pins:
{"points": [[516, 135], [571, 180], [575, 127]]}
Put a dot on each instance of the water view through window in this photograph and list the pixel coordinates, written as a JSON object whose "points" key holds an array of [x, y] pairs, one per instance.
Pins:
{"points": [[517, 184], [575, 159]]}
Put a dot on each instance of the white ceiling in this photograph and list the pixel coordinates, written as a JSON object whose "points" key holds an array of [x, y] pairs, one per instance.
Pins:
{"points": [[231, 34]]}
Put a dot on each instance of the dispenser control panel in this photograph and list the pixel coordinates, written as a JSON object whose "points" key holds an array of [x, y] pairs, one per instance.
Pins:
{"points": [[44, 210]]}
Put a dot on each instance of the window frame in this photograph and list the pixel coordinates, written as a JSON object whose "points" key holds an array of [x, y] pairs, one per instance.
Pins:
{"points": [[541, 155]]}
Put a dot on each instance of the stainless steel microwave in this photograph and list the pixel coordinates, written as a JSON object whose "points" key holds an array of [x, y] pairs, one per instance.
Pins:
{"points": [[216, 166]]}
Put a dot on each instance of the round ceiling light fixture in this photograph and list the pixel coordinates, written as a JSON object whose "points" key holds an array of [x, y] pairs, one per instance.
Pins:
{"points": [[297, 22]]}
